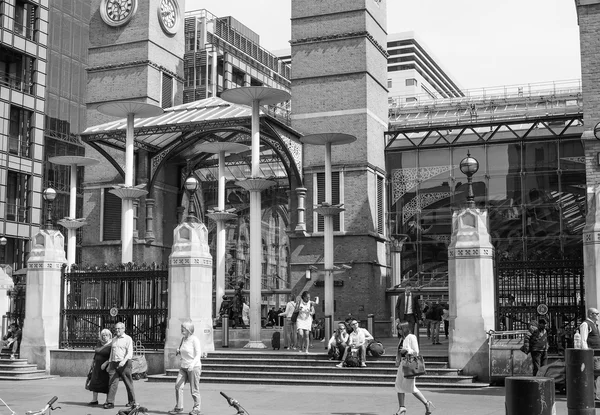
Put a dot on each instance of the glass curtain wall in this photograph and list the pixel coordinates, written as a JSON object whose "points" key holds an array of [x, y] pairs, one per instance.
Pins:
{"points": [[534, 192]]}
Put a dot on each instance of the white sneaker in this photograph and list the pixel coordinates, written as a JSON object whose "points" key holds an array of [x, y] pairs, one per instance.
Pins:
{"points": [[341, 365]]}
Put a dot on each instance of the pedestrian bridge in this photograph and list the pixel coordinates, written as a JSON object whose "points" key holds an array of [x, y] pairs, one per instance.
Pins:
{"points": [[555, 107]]}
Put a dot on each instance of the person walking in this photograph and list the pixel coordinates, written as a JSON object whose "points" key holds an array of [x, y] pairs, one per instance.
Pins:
{"points": [[408, 345], [436, 319], [190, 351], [304, 322], [408, 308], [289, 327], [536, 341], [246, 313], [446, 318], [98, 377], [119, 367], [590, 339]]}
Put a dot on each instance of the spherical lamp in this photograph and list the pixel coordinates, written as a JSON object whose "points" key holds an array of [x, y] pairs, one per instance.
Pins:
{"points": [[469, 166]]}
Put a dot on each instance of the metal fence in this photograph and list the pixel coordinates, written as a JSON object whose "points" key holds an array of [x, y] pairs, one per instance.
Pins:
{"points": [[94, 299], [552, 290]]}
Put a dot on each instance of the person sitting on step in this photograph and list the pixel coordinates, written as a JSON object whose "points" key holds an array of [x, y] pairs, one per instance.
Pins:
{"points": [[359, 339]]}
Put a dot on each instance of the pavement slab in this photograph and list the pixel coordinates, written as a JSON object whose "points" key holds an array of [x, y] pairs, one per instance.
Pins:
{"points": [[159, 398]]}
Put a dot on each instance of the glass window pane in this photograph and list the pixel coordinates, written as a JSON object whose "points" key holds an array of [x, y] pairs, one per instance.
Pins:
{"points": [[506, 222], [504, 158], [540, 156], [572, 156], [504, 190]]}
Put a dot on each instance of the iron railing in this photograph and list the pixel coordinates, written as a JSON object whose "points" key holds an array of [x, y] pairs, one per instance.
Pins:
{"points": [[531, 290], [94, 299]]}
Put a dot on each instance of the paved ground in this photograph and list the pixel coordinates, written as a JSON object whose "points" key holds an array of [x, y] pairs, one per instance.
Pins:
{"points": [[258, 400]]}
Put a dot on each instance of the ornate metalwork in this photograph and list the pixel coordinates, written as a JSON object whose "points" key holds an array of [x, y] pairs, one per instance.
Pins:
{"points": [[521, 286], [421, 201], [404, 180], [137, 293]]}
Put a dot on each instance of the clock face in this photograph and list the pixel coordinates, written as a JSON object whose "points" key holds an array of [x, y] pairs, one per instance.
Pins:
{"points": [[168, 16], [117, 12]]}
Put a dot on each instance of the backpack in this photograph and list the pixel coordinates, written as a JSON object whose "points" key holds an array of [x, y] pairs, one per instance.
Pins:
{"points": [[352, 359], [138, 410], [376, 348]]}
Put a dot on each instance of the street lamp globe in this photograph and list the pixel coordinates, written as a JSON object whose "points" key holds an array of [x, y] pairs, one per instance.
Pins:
{"points": [[49, 194], [469, 166], [3, 241], [191, 184]]}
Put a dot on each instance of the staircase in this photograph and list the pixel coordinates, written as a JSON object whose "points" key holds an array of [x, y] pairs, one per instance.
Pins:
{"points": [[287, 368], [19, 369]]}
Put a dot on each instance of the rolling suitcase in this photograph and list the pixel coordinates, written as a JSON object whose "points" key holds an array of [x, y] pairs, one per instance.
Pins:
{"points": [[276, 340]]}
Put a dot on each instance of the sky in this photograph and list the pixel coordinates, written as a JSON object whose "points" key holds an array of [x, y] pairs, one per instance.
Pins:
{"points": [[479, 43]]}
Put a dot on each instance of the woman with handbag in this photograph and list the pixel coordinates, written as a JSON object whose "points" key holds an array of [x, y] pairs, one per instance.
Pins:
{"points": [[97, 380], [408, 347], [306, 310]]}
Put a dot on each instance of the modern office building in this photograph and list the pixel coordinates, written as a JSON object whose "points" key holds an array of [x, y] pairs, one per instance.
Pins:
{"points": [[221, 53], [414, 74], [43, 54]]}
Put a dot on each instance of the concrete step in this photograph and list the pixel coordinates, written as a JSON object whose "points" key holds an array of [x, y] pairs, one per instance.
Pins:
{"points": [[316, 355], [318, 361], [341, 375], [17, 367], [32, 373], [311, 369], [14, 362], [317, 381], [18, 378]]}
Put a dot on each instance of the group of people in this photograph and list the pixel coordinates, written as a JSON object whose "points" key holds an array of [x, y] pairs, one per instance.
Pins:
{"points": [[348, 336], [236, 309], [113, 362], [12, 340], [431, 314]]}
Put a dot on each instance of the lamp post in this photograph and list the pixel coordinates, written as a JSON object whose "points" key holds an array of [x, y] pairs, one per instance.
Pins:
{"points": [[49, 196], [469, 166], [191, 185]]}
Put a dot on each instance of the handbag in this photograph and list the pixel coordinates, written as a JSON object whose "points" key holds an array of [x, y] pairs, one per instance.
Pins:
{"points": [[294, 317], [89, 377], [413, 365], [524, 349]]}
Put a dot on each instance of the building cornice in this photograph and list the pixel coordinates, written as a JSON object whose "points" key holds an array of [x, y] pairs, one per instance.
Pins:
{"points": [[133, 64], [341, 36]]}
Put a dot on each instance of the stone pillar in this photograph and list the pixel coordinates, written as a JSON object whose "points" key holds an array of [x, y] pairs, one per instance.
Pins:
{"points": [[149, 235], [588, 18], [42, 303], [190, 289], [591, 248], [6, 284], [471, 297], [301, 225]]}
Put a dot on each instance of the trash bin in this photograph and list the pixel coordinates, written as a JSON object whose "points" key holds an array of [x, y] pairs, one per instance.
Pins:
{"points": [[506, 358], [527, 395]]}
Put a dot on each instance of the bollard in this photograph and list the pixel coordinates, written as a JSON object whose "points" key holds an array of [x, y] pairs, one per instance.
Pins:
{"points": [[580, 381], [225, 328], [529, 396], [328, 330], [371, 323]]}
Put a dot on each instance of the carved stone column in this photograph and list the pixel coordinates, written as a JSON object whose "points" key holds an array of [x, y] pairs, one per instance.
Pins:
{"points": [[471, 286], [301, 225], [149, 235], [42, 303], [190, 288]]}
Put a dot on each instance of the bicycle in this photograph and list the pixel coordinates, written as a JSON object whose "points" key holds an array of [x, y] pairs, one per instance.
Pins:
{"points": [[46, 410], [236, 405]]}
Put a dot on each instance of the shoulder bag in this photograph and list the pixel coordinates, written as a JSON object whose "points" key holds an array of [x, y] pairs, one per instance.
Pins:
{"points": [[295, 313], [413, 365]]}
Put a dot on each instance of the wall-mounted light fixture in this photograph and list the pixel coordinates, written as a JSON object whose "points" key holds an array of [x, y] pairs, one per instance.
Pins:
{"points": [[309, 270]]}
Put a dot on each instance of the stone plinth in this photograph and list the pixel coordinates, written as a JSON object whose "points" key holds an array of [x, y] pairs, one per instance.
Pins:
{"points": [[190, 289], [471, 286], [6, 284], [591, 248], [42, 303]]}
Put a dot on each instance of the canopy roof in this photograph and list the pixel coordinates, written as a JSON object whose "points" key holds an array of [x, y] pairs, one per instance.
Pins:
{"points": [[178, 132]]}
